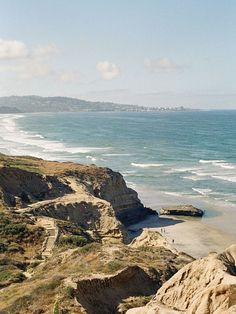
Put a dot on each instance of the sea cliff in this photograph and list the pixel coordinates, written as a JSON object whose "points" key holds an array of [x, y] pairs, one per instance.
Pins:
{"points": [[65, 248]]}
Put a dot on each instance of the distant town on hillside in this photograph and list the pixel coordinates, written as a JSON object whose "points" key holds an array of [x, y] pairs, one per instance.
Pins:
{"points": [[30, 104]]}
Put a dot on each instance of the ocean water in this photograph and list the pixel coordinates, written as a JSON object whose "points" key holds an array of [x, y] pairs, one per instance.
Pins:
{"points": [[185, 156]]}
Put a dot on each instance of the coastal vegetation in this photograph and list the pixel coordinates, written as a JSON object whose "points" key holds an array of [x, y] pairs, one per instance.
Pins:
{"points": [[64, 247]]}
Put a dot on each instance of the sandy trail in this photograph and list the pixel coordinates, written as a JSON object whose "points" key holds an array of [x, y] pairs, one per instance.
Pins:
{"points": [[51, 228]]}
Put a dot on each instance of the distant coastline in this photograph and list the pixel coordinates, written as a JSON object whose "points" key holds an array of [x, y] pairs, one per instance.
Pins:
{"points": [[33, 104]]}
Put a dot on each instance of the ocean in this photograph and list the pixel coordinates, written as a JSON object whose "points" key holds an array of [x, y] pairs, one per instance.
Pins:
{"points": [[168, 157]]}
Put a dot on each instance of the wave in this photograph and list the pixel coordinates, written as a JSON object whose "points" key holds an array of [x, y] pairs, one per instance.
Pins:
{"points": [[110, 155], [226, 178], [10, 132], [224, 165], [130, 183], [218, 163], [210, 161], [192, 178], [181, 169], [128, 173], [146, 165], [91, 158], [173, 193], [203, 192], [200, 173], [36, 135]]}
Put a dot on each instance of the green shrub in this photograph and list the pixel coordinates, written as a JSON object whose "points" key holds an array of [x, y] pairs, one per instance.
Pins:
{"points": [[10, 274], [35, 264], [70, 292], [56, 308], [15, 247], [8, 228], [3, 246], [73, 240], [89, 247], [114, 265], [14, 229]]}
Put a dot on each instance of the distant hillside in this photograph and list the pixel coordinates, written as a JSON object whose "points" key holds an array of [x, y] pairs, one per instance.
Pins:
{"points": [[15, 104], [6, 109]]}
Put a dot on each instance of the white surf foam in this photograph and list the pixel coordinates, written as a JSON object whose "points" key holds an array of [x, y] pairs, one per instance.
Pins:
{"points": [[224, 165], [116, 155], [229, 178], [11, 133], [146, 165], [210, 161], [200, 173], [91, 158], [192, 178], [181, 169], [173, 193], [203, 192]]}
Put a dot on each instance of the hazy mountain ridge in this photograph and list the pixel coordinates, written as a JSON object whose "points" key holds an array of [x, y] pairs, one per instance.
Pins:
{"points": [[24, 104]]}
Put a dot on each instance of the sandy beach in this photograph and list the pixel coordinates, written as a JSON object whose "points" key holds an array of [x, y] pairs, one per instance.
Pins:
{"points": [[190, 235], [215, 231]]}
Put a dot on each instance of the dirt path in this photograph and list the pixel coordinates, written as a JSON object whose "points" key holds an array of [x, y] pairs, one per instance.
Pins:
{"points": [[52, 234]]}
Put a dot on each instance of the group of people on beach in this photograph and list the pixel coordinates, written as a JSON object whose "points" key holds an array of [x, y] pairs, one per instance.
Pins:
{"points": [[163, 231]]}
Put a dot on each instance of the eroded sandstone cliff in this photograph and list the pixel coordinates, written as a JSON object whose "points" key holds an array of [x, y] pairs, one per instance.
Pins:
{"points": [[96, 198], [205, 286]]}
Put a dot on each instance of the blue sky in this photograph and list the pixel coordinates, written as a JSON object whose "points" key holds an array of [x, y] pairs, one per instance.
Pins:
{"points": [[153, 52]]}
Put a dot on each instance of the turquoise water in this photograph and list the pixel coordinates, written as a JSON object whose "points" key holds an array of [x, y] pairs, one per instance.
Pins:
{"points": [[188, 154]]}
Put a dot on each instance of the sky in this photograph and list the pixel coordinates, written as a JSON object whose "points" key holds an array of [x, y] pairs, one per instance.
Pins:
{"points": [[144, 52]]}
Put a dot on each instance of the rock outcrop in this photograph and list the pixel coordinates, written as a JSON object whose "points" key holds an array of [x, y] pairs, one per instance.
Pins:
{"points": [[128, 208], [103, 294], [95, 198], [182, 210], [205, 286], [20, 187], [151, 238]]}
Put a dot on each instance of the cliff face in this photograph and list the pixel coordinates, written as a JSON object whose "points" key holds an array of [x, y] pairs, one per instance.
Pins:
{"points": [[128, 208], [103, 295], [207, 285], [95, 198], [20, 187]]}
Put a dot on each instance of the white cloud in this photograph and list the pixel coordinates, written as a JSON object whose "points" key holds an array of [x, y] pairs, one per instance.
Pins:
{"points": [[108, 70], [26, 62], [162, 65], [12, 49], [44, 51], [27, 70]]}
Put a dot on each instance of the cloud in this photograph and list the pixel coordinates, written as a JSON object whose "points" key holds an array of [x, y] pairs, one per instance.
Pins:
{"points": [[12, 49], [108, 70], [44, 51], [26, 62], [162, 65], [69, 76]]}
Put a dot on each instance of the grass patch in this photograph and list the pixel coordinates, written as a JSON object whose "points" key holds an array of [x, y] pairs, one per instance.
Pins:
{"points": [[23, 163], [89, 248], [115, 265], [7, 228], [73, 241], [132, 302], [10, 274]]}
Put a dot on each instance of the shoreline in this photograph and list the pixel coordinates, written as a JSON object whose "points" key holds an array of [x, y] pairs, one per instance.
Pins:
{"points": [[190, 235], [215, 231]]}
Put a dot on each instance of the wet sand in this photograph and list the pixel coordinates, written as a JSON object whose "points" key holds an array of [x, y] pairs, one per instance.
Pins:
{"points": [[190, 235]]}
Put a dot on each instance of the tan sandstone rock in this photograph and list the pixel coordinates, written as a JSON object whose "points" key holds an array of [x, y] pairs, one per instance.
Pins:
{"points": [[205, 286]]}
